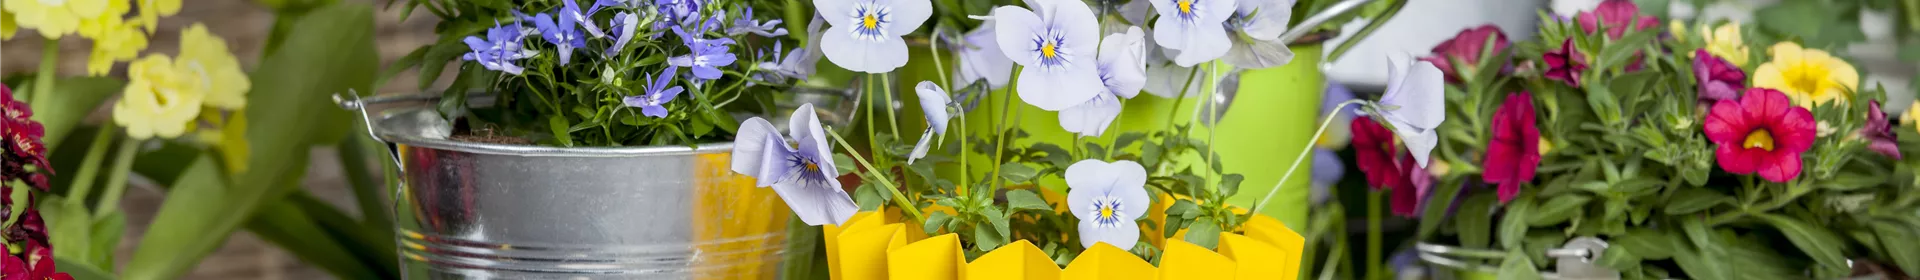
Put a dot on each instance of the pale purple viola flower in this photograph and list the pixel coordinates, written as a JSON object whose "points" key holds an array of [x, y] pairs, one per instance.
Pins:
{"points": [[981, 58], [562, 34], [707, 54], [747, 25], [1123, 73], [1415, 104], [571, 11], [934, 103], [654, 97], [1107, 197], [1057, 45], [802, 175], [1332, 97], [623, 26], [864, 35], [1165, 77], [499, 50], [1255, 32], [1136, 12], [801, 62], [1193, 28]]}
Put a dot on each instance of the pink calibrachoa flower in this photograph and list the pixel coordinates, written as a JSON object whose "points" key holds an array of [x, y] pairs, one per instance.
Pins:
{"points": [[1879, 133], [1374, 151], [1408, 199], [1761, 133], [1565, 63], [1514, 154], [1466, 47], [1718, 79], [1616, 16]]}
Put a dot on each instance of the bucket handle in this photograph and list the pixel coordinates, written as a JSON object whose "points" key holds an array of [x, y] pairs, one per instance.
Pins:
{"points": [[1307, 25]]}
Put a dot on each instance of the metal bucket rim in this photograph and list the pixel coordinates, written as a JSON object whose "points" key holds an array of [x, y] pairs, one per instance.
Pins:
{"points": [[384, 133]]}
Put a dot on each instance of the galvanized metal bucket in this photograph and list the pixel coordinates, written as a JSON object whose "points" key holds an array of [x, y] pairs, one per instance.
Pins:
{"points": [[480, 211]]}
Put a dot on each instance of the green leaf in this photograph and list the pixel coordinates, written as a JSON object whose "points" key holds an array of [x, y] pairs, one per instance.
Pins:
{"points": [[1230, 184], [191, 209], [1619, 258], [73, 99], [1647, 243], [1557, 210], [844, 164], [1815, 242], [408, 62], [1900, 243], [868, 197], [1127, 139], [1437, 207], [80, 270], [106, 236], [560, 126], [1095, 151], [69, 225], [1513, 227], [984, 239], [1690, 200], [1474, 222], [287, 226], [1518, 266], [1015, 172], [436, 58], [999, 221], [935, 220], [1204, 232], [1025, 199]]}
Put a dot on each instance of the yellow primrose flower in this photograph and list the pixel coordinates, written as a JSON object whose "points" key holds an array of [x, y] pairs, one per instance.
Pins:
{"points": [[54, 18], [1679, 30], [1810, 76], [1913, 112], [1725, 41], [206, 58], [152, 10], [159, 100], [114, 40], [7, 27]]}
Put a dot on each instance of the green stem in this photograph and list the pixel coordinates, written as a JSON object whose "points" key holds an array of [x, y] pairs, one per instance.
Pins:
{"points": [[353, 160], [117, 180], [90, 166], [873, 145], [886, 88], [1000, 135], [1213, 86], [898, 198], [964, 175], [934, 48], [1303, 154], [43, 81], [1372, 25], [1374, 199]]}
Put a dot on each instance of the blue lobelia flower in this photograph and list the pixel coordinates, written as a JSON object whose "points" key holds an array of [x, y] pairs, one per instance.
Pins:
{"points": [[746, 24], [864, 35], [803, 176], [571, 11], [623, 26], [653, 100], [498, 51], [707, 54], [1193, 29], [1123, 73], [1415, 105], [677, 12], [934, 103], [1057, 50], [1255, 32], [562, 34], [1107, 197], [981, 58]]}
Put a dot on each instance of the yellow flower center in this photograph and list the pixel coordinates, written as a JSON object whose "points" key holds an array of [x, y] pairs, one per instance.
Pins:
{"points": [[1049, 50], [869, 21], [1186, 6], [811, 167], [1106, 212], [1759, 139], [1807, 78]]}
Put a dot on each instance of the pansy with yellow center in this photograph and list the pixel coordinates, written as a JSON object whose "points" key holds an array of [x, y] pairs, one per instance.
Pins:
{"points": [[1809, 76], [53, 18], [1107, 197], [160, 99], [207, 59], [1057, 41]]}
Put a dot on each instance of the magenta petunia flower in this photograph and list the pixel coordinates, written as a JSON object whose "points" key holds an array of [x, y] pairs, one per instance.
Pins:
{"points": [[1374, 151], [1616, 16], [1760, 133], [1565, 63], [1718, 79], [1514, 154], [1466, 47], [1879, 133]]}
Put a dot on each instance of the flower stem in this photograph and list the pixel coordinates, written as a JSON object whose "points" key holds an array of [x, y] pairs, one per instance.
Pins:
{"points": [[1212, 121], [43, 81], [117, 179], [1000, 135], [1171, 112], [898, 198], [90, 166], [1373, 234], [964, 175], [1372, 25], [886, 88], [1303, 154], [939, 65], [873, 144]]}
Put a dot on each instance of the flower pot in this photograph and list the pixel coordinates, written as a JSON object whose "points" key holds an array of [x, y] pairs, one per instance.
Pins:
{"points": [[876, 246], [478, 210]]}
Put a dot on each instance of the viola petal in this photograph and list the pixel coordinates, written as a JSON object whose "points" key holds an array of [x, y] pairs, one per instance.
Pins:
{"points": [[1092, 118], [816, 204], [933, 102], [1015, 27], [1058, 90], [1125, 235], [908, 15]]}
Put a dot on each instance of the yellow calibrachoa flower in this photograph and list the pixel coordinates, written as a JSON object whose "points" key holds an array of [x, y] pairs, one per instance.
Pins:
{"points": [[152, 10], [1810, 76], [54, 18], [206, 58], [1725, 41], [159, 100]]}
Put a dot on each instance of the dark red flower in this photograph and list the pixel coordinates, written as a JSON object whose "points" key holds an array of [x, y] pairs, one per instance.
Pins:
{"points": [[1878, 133], [39, 260], [1565, 63], [1466, 47], [1374, 152], [13, 268], [22, 136], [1514, 154], [1408, 199], [1718, 79], [1617, 16], [1761, 133]]}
